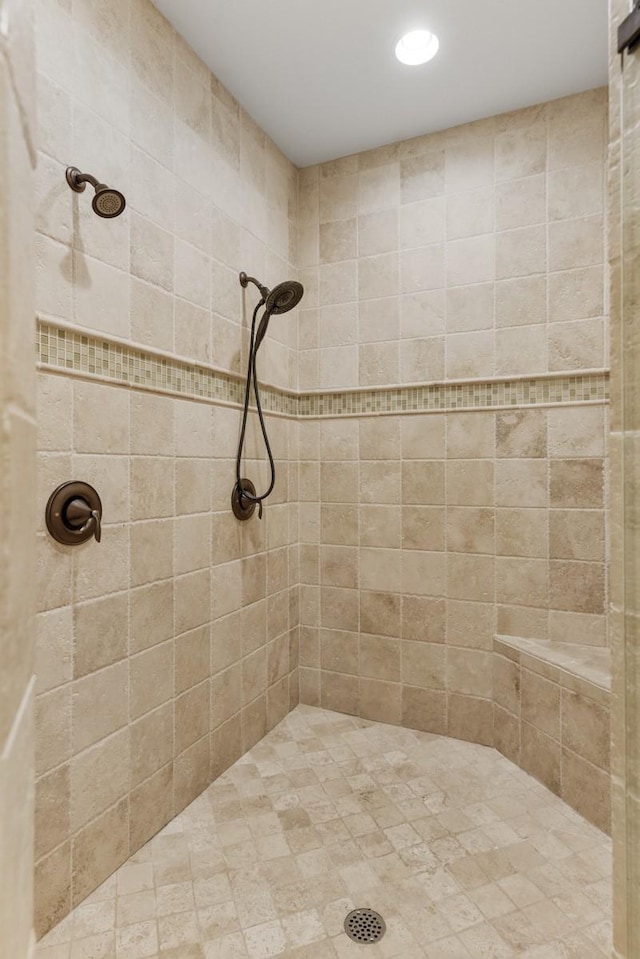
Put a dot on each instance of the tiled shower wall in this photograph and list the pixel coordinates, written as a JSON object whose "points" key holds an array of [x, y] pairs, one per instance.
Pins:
{"points": [[167, 650], [471, 254], [17, 479]]}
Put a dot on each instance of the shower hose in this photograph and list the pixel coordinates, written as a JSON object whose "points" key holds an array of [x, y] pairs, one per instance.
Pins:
{"points": [[251, 373]]}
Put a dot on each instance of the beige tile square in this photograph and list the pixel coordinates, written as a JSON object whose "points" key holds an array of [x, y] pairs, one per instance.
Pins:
{"points": [[378, 233], [52, 810], [470, 308], [469, 672], [470, 530], [576, 483], [470, 213], [470, 260], [522, 581], [576, 294], [338, 240], [53, 728], [586, 788], [576, 243], [585, 728], [151, 678], [470, 719], [424, 665], [379, 658], [99, 705], [470, 355], [379, 188], [540, 703], [380, 612], [521, 301], [99, 778], [54, 648], [423, 709], [422, 268], [98, 849], [521, 151], [422, 223], [470, 435], [422, 312], [422, 177], [470, 577], [578, 345], [522, 532], [577, 534], [521, 203], [541, 757], [521, 350], [380, 701], [521, 252], [576, 191], [470, 482], [577, 586]]}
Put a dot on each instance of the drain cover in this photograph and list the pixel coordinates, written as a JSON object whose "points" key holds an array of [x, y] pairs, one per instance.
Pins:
{"points": [[364, 925]]}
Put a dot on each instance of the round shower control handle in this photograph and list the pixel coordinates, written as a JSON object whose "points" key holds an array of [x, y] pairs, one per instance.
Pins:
{"points": [[74, 513]]}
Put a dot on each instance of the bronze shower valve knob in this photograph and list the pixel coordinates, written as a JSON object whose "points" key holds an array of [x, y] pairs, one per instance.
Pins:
{"points": [[74, 513]]}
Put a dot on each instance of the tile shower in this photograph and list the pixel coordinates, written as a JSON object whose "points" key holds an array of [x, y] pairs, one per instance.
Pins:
{"points": [[410, 526]]}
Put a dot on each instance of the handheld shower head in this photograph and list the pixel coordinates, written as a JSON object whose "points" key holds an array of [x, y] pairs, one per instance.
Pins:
{"points": [[107, 202], [282, 298]]}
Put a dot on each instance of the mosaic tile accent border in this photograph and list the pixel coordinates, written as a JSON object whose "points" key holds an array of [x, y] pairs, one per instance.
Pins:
{"points": [[439, 397], [83, 354]]}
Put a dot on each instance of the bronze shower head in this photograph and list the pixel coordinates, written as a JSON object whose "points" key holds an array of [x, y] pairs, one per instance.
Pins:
{"points": [[107, 202], [282, 298]]}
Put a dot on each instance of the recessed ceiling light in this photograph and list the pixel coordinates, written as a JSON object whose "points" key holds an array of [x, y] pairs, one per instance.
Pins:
{"points": [[417, 47]]}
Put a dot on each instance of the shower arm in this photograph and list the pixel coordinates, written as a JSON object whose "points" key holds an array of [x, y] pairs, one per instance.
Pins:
{"points": [[78, 181], [246, 280]]}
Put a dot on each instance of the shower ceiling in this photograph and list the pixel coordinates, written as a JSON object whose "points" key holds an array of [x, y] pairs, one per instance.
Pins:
{"points": [[323, 81]]}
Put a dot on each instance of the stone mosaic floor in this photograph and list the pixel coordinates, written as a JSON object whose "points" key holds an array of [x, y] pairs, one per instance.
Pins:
{"points": [[464, 855]]}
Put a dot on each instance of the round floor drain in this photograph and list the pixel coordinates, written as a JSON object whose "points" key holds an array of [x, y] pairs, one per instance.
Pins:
{"points": [[364, 925]]}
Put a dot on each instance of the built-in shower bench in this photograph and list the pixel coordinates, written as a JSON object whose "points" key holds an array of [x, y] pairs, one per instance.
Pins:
{"points": [[551, 717]]}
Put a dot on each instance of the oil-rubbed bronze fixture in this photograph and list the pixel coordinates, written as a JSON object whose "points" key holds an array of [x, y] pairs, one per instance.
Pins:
{"points": [[74, 513], [280, 299], [107, 202]]}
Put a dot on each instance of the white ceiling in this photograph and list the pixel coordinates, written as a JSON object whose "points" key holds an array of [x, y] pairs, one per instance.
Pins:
{"points": [[322, 79]]}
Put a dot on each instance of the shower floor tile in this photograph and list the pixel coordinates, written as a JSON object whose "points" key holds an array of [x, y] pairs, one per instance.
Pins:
{"points": [[463, 854]]}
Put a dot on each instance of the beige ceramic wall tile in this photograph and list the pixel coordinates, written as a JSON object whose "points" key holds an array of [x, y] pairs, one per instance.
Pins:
{"points": [[540, 703], [470, 624], [541, 757]]}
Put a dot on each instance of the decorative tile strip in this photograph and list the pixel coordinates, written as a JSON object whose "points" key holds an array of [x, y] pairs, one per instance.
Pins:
{"points": [[473, 395], [82, 353], [95, 355]]}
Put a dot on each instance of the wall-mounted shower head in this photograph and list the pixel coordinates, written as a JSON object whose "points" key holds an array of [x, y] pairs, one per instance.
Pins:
{"points": [[107, 202]]}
